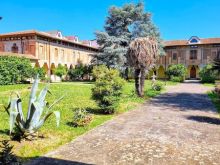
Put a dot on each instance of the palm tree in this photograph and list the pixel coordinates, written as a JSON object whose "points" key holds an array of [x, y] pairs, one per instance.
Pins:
{"points": [[142, 55]]}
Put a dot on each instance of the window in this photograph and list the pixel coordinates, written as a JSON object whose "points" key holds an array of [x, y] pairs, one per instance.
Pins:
{"points": [[41, 53], [174, 56], [14, 48], [56, 55], [193, 54], [194, 40], [218, 55]]}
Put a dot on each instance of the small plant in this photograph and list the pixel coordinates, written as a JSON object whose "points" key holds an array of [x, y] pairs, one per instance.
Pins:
{"points": [[108, 88], [157, 87], [6, 155], [26, 128], [81, 118]]}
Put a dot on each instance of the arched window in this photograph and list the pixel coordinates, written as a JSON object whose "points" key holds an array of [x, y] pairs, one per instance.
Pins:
{"points": [[14, 48], [218, 55]]}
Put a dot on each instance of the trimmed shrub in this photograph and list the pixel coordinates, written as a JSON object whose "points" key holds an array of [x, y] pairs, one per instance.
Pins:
{"points": [[207, 74], [108, 88], [176, 79], [14, 70], [79, 72], [176, 72], [60, 71], [81, 118], [40, 72]]}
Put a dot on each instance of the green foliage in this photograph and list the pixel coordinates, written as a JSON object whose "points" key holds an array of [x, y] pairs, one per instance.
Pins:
{"points": [[14, 70], [123, 24], [157, 87], [40, 72], [176, 72], [108, 88], [176, 79], [81, 118], [207, 74], [79, 72], [60, 71], [26, 128], [6, 155]]}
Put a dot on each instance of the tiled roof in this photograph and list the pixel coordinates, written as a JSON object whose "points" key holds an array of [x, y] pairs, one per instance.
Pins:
{"points": [[185, 42], [46, 34], [29, 56]]}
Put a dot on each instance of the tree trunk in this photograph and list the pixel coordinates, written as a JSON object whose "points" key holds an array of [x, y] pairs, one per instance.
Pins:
{"points": [[137, 75], [142, 80], [126, 73]]}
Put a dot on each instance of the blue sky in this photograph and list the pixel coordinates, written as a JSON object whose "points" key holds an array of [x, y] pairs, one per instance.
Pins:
{"points": [[176, 19]]}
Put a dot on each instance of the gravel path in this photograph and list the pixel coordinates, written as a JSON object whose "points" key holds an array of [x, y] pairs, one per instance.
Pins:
{"points": [[178, 127]]}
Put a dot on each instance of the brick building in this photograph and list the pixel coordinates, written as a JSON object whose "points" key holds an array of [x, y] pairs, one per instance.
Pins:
{"points": [[48, 49], [194, 53]]}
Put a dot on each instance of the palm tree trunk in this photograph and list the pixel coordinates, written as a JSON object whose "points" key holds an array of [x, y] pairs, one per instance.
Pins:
{"points": [[142, 80], [137, 75]]}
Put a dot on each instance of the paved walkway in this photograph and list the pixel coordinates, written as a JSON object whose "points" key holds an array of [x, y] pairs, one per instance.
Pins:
{"points": [[179, 127]]}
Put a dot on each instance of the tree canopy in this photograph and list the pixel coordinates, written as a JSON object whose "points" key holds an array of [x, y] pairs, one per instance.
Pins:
{"points": [[123, 25]]}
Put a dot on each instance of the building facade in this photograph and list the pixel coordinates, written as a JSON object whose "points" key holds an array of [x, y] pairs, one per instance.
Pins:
{"points": [[194, 53], [49, 48]]}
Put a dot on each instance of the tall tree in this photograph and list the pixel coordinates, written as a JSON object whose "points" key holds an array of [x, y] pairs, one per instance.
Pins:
{"points": [[122, 26], [142, 55]]}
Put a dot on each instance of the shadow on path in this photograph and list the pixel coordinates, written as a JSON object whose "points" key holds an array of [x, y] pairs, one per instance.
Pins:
{"points": [[53, 161], [185, 101], [205, 119]]}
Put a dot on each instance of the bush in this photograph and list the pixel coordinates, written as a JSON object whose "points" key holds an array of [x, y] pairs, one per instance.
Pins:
{"points": [[207, 74], [60, 71], [176, 79], [79, 72], [176, 72], [157, 87], [81, 118], [14, 70], [40, 72], [108, 88]]}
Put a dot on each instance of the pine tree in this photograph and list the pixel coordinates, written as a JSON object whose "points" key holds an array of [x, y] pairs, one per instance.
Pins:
{"points": [[123, 25], [6, 155]]}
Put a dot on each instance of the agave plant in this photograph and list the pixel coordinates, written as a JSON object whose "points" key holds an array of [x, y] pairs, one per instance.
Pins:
{"points": [[38, 111]]}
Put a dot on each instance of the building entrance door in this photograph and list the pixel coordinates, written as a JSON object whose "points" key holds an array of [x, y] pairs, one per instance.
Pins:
{"points": [[193, 72]]}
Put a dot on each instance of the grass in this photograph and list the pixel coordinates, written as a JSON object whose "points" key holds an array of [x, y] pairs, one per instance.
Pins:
{"points": [[209, 85], [78, 95], [215, 99]]}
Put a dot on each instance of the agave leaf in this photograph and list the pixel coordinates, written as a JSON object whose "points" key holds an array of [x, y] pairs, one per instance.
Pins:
{"points": [[57, 114], [37, 114], [55, 102], [12, 120], [42, 121], [20, 112], [32, 97], [43, 94], [32, 111]]}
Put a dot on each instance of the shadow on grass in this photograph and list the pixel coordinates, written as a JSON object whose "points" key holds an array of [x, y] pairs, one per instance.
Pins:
{"points": [[4, 132], [96, 111], [205, 119], [51, 161]]}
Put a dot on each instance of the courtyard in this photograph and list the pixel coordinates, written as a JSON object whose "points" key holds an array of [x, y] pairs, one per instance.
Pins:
{"points": [[180, 126]]}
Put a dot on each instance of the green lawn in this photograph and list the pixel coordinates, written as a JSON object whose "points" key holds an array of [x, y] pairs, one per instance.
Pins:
{"points": [[78, 94], [215, 99]]}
